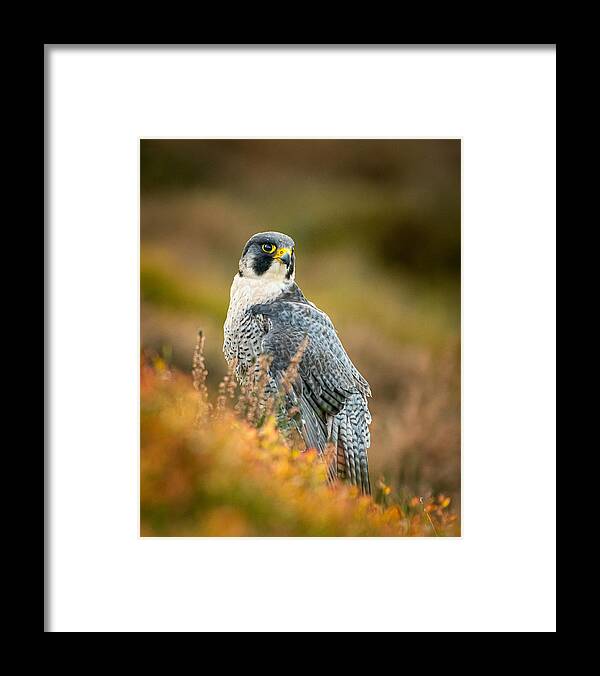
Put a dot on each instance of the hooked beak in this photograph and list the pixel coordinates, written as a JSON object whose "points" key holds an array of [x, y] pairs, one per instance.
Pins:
{"points": [[284, 256]]}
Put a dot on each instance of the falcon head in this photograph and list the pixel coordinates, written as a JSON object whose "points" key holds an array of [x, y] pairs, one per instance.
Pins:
{"points": [[269, 256]]}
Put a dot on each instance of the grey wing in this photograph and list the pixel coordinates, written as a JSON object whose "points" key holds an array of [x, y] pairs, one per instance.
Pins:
{"points": [[329, 392]]}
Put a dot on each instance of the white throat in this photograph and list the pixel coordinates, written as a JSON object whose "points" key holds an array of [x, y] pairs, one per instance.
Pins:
{"points": [[247, 291]]}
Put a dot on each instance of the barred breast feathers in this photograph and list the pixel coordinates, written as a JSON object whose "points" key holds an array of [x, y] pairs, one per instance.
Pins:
{"points": [[241, 333]]}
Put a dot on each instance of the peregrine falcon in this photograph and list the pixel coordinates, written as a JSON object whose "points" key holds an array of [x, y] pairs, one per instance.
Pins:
{"points": [[269, 315]]}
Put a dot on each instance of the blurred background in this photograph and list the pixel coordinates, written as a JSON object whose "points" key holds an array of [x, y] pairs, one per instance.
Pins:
{"points": [[377, 231]]}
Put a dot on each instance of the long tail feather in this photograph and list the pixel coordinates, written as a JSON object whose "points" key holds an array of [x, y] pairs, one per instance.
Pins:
{"points": [[350, 429]]}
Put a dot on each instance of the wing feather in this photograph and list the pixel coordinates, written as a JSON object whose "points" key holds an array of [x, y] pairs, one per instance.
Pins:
{"points": [[329, 392]]}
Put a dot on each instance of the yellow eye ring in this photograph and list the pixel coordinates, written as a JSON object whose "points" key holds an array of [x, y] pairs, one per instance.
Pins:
{"points": [[268, 248]]}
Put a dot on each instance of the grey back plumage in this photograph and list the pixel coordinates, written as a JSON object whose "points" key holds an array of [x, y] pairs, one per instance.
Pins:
{"points": [[329, 392]]}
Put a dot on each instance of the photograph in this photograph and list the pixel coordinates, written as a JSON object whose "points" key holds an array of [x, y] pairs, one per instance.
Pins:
{"points": [[300, 339], [300, 330]]}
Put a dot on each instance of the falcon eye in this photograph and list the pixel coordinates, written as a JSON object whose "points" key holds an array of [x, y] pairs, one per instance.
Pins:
{"points": [[268, 248]]}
